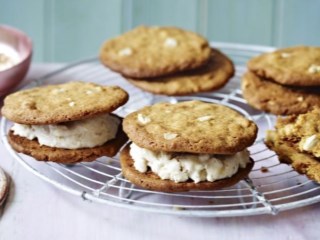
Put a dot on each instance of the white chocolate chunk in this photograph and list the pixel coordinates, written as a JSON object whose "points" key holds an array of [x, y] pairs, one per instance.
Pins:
{"points": [[58, 90], [143, 119], [88, 92], [314, 69], [285, 55], [125, 52], [310, 142], [204, 118], [170, 42], [71, 104], [170, 136], [300, 99]]}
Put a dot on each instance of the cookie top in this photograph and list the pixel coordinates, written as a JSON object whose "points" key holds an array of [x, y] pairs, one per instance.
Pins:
{"points": [[192, 126], [61, 103], [67, 156], [275, 98], [146, 52], [213, 75], [150, 180], [294, 66]]}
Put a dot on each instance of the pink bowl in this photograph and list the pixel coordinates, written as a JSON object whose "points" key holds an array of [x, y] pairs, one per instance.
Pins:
{"points": [[22, 44]]}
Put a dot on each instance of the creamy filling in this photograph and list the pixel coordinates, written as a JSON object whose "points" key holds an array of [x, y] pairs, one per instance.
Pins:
{"points": [[180, 167], [86, 133], [8, 57]]}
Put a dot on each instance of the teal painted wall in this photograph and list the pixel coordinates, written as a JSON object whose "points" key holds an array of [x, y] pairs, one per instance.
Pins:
{"points": [[69, 30]]}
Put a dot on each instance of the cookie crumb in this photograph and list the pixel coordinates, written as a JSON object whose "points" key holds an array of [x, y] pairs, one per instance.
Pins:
{"points": [[170, 136], [285, 55], [314, 69], [170, 42], [71, 104], [264, 169], [125, 52], [143, 119], [204, 118], [178, 208]]}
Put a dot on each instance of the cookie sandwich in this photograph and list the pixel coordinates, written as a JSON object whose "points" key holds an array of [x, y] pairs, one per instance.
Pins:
{"points": [[296, 140], [284, 82], [66, 123], [167, 60], [185, 146]]}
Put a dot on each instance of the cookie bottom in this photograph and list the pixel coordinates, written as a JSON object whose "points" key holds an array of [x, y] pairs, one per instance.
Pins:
{"points": [[303, 163], [151, 181], [277, 99], [212, 76], [67, 156]]}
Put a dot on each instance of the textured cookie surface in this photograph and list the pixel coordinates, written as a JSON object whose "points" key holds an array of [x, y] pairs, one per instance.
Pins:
{"points": [[295, 66], [303, 163], [61, 103], [151, 181], [213, 75], [302, 130], [45, 153], [4, 186], [155, 51], [192, 126], [277, 99]]}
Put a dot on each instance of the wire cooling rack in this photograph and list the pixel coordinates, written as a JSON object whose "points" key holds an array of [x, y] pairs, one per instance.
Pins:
{"points": [[271, 187]]}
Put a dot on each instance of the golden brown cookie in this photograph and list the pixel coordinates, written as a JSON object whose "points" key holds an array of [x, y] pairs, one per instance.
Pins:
{"points": [[271, 97], [4, 186], [213, 75], [146, 52], [151, 181], [67, 156], [191, 126], [61, 103], [303, 163], [294, 66], [303, 130]]}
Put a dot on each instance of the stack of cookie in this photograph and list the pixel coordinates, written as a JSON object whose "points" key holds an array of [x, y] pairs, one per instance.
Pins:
{"points": [[283, 82], [66, 123], [296, 140], [185, 146], [167, 60]]}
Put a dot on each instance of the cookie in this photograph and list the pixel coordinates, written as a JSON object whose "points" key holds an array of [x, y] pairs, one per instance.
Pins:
{"points": [[294, 66], [212, 76], [303, 163], [192, 126], [67, 156], [151, 181], [4, 186], [271, 97], [62, 103], [146, 52]]}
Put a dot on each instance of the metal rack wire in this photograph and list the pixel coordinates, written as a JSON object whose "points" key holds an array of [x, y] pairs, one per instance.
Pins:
{"points": [[271, 187]]}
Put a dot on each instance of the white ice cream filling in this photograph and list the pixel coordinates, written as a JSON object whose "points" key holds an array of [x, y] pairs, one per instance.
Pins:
{"points": [[180, 167], [88, 133]]}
